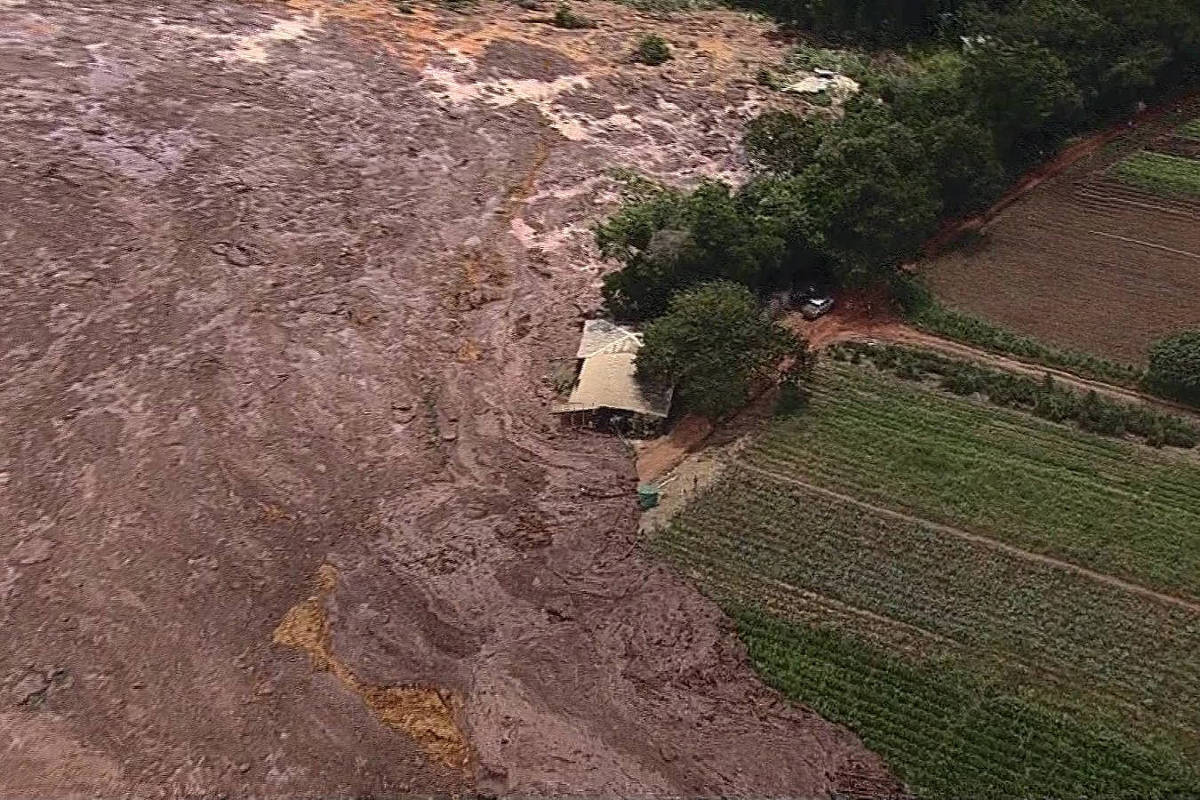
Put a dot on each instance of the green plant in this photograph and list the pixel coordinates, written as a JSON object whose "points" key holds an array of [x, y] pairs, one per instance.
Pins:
{"points": [[1160, 172], [653, 50], [927, 315], [714, 344], [1044, 398], [565, 17], [974, 669], [1175, 366]]}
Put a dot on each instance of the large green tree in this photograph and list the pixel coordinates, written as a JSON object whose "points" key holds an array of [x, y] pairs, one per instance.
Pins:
{"points": [[672, 240], [1175, 366], [714, 344]]}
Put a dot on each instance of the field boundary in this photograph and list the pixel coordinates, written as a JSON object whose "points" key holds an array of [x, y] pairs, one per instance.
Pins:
{"points": [[950, 530]]}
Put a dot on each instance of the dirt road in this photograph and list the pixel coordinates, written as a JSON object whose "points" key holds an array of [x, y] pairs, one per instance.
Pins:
{"points": [[282, 510], [844, 328]]}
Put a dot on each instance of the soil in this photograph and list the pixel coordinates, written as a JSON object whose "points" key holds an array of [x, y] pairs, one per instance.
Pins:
{"points": [[1079, 260], [282, 508]]}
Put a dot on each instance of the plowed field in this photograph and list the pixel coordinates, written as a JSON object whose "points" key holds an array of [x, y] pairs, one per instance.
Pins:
{"points": [[1084, 261]]}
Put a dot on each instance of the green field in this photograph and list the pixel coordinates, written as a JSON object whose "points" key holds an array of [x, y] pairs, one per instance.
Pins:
{"points": [[975, 669], [1191, 130], [1102, 503], [1160, 173]]}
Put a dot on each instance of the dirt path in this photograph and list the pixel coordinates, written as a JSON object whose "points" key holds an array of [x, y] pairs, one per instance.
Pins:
{"points": [[282, 509], [1099, 577], [838, 328]]}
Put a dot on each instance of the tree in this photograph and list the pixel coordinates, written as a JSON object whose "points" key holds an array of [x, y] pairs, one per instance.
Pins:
{"points": [[969, 172], [714, 344], [875, 186], [783, 142], [1175, 366], [673, 240], [1024, 92]]}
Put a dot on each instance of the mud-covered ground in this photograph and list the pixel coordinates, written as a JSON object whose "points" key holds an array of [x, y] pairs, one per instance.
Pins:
{"points": [[282, 508]]}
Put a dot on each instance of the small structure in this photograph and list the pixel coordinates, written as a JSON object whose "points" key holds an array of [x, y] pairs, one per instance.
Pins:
{"points": [[607, 391]]}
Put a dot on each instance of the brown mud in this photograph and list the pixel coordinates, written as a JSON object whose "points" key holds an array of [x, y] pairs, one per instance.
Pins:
{"points": [[281, 286]]}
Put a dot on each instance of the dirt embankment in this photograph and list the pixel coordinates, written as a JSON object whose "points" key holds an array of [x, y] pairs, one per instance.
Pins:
{"points": [[282, 511]]}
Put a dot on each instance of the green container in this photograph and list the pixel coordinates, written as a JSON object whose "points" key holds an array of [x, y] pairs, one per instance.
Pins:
{"points": [[647, 496]]}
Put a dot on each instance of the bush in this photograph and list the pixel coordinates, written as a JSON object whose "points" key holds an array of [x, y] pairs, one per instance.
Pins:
{"points": [[653, 50], [1175, 367], [564, 17]]}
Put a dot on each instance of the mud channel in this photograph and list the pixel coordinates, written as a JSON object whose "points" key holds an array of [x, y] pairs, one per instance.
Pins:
{"points": [[282, 509]]}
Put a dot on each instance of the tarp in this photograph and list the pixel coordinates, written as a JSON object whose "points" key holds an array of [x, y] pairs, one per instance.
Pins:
{"points": [[608, 380], [602, 336]]}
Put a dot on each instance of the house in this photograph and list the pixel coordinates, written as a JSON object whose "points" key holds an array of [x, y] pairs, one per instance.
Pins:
{"points": [[607, 391]]}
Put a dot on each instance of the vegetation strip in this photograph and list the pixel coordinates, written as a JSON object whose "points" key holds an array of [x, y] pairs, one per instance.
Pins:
{"points": [[1160, 173], [937, 319], [1044, 398]]}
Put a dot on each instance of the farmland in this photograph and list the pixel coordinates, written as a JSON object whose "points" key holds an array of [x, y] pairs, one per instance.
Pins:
{"points": [[892, 559], [1087, 261]]}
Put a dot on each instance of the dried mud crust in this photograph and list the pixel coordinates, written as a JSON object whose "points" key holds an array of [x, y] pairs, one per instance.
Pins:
{"points": [[280, 288]]}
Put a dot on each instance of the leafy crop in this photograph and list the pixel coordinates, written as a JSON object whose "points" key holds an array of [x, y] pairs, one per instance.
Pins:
{"points": [[1160, 173], [951, 735], [1109, 505]]}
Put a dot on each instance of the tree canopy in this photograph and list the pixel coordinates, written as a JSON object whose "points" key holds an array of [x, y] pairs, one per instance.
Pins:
{"points": [[1175, 366], [714, 342]]}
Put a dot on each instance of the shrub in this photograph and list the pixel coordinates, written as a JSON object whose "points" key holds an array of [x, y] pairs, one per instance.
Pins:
{"points": [[653, 50], [1175, 367], [564, 17]]}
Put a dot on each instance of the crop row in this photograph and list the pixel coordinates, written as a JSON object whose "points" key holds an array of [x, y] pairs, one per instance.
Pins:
{"points": [[1108, 505], [950, 734], [983, 598]]}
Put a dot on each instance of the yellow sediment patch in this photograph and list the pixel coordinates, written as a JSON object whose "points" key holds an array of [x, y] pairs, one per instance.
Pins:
{"points": [[426, 714]]}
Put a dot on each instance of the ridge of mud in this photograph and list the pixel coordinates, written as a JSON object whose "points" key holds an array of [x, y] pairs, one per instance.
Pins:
{"points": [[282, 288]]}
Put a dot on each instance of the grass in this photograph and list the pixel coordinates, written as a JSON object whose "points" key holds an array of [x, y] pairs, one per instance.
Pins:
{"points": [[1101, 503], [1160, 173], [974, 670], [1191, 130], [970, 330]]}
